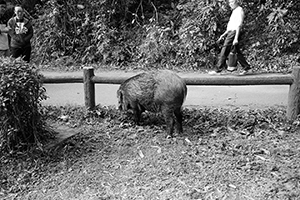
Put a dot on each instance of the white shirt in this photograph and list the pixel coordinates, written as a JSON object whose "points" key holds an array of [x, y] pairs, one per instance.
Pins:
{"points": [[236, 19], [3, 38]]}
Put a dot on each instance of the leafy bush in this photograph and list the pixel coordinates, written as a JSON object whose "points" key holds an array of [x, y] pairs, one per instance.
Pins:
{"points": [[180, 33], [21, 123]]}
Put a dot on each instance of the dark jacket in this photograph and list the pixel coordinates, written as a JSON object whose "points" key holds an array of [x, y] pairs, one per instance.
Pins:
{"points": [[19, 40], [6, 16]]}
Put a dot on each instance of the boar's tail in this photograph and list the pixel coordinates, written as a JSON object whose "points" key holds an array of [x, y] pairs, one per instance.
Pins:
{"points": [[122, 103]]}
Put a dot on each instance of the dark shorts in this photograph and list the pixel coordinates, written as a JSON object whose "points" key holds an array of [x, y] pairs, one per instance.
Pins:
{"points": [[23, 52]]}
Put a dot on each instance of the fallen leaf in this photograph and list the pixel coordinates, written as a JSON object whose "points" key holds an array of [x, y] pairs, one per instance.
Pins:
{"points": [[188, 141], [141, 154]]}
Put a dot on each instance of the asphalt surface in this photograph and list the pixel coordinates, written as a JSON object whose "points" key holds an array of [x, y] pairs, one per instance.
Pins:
{"points": [[204, 96]]}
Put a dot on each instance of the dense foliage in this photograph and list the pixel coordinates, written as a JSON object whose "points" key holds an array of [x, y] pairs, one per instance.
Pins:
{"points": [[21, 92], [179, 33]]}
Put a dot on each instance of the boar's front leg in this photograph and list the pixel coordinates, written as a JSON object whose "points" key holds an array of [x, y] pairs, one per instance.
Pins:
{"points": [[169, 119], [178, 116]]}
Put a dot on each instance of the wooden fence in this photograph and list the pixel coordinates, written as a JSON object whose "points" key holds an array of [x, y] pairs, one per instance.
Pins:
{"points": [[89, 79]]}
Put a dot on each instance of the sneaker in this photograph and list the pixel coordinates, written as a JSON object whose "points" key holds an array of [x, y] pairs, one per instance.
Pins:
{"points": [[214, 72], [245, 71], [231, 69]]}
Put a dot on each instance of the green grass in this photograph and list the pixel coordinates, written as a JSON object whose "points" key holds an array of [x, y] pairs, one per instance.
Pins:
{"points": [[223, 154]]}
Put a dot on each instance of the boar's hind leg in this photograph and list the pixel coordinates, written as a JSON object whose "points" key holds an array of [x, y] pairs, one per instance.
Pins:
{"points": [[137, 111], [178, 115], [169, 118]]}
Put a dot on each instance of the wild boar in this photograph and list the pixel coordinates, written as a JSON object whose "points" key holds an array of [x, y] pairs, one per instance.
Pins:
{"points": [[156, 91]]}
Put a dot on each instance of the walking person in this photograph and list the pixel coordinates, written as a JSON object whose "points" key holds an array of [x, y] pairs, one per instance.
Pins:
{"points": [[21, 33], [4, 40], [231, 36]]}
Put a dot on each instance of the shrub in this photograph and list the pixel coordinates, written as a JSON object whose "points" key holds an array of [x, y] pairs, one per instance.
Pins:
{"points": [[168, 33], [21, 123]]}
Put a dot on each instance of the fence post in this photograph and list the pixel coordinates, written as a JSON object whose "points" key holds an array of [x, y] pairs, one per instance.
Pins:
{"points": [[89, 87], [294, 95]]}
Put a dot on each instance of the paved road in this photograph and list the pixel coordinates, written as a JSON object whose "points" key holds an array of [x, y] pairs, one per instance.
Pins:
{"points": [[217, 96]]}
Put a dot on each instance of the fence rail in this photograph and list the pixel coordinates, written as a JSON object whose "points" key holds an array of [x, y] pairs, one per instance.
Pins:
{"points": [[293, 108]]}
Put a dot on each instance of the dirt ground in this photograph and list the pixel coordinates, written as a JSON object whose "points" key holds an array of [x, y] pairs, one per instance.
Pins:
{"points": [[224, 154]]}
